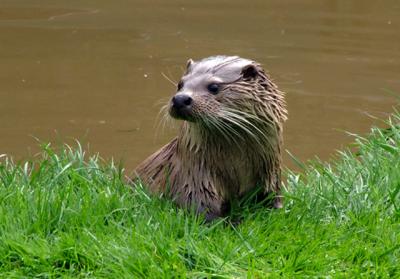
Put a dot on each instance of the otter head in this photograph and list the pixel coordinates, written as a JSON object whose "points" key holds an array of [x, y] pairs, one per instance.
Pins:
{"points": [[227, 94]]}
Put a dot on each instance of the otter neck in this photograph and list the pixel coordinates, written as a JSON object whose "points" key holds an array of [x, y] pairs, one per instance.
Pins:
{"points": [[195, 139], [241, 164]]}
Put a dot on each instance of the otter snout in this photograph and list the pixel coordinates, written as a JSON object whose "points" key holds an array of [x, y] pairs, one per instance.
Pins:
{"points": [[180, 101], [181, 106]]}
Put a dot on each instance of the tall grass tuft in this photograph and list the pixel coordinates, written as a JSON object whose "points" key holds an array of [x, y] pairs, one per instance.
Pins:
{"points": [[65, 214]]}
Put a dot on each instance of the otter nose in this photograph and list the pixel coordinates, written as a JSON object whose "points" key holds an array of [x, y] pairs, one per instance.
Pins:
{"points": [[181, 100]]}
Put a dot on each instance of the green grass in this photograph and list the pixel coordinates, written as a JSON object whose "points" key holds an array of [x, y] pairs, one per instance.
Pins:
{"points": [[65, 215]]}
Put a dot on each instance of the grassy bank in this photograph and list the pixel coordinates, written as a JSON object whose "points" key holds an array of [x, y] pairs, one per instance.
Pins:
{"points": [[71, 216]]}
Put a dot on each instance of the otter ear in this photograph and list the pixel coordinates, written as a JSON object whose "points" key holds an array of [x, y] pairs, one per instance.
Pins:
{"points": [[249, 72], [189, 65]]}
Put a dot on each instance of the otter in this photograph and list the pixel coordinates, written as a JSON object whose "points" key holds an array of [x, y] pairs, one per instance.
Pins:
{"points": [[230, 141]]}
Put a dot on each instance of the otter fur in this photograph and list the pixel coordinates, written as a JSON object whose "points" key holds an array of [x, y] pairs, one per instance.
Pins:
{"points": [[230, 141]]}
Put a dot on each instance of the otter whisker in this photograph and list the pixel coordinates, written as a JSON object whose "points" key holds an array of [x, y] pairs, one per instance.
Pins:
{"points": [[257, 119], [162, 102], [243, 124], [163, 119], [174, 83], [225, 130], [160, 120], [231, 131], [261, 136]]}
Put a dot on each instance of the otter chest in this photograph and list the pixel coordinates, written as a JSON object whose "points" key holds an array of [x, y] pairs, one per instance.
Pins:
{"points": [[236, 174]]}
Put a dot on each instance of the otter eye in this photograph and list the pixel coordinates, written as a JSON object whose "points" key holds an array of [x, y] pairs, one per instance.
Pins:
{"points": [[213, 88], [180, 85]]}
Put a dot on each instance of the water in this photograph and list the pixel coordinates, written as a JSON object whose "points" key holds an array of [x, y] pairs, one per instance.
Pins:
{"points": [[94, 70]]}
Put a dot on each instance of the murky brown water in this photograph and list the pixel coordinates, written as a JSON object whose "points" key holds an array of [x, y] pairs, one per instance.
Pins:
{"points": [[92, 70]]}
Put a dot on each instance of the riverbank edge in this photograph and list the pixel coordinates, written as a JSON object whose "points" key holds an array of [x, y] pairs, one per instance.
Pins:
{"points": [[69, 215]]}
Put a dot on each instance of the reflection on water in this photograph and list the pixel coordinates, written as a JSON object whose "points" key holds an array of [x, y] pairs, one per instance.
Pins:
{"points": [[94, 70]]}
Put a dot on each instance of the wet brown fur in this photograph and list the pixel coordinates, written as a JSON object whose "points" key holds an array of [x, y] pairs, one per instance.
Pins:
{"points": [[231, 143]]}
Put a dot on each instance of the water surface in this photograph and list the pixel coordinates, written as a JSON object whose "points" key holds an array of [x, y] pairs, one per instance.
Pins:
{"points": [[94, 70]]}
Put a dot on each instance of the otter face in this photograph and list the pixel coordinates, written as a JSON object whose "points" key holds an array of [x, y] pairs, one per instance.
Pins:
{"points": [[230, 97], [204, 87], [193, 104]]}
